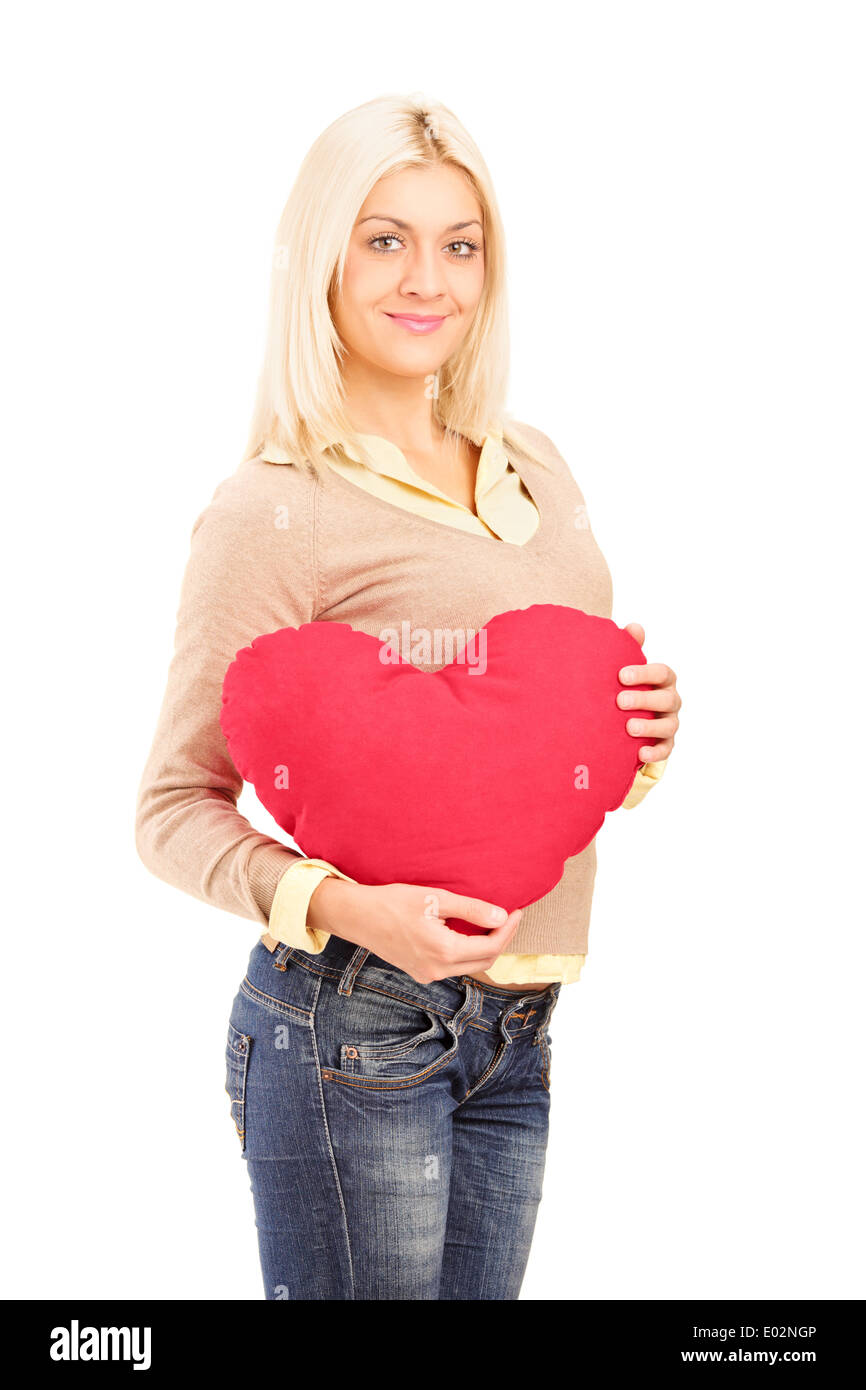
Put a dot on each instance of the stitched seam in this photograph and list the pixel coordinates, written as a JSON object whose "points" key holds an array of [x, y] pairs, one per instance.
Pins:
{"points": [[269, 1002], [319, 1077], [476, 1008], [378, 1052], [383, 1084], [237, 1071], [424, 1005], [235, 1101], [487, 1075], [349, 975], [279, 958]]}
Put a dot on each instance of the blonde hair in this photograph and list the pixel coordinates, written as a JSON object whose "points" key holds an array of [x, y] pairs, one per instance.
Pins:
{"points": [[299, 410]]}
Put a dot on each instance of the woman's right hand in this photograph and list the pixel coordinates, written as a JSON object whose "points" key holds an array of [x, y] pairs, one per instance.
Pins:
{"points": [[404, 924]]}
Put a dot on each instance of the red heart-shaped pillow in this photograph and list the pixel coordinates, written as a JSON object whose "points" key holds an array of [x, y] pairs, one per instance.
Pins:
{"points": [[482, 777]]}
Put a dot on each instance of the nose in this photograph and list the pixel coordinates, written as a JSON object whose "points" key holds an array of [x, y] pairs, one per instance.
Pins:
{"points": [[423, 273]]}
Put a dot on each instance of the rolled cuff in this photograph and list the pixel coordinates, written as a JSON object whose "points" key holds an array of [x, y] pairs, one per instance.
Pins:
{"points": [[646, 777], [288, 917]]}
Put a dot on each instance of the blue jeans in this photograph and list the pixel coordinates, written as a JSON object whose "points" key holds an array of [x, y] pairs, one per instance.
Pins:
{"points": [[394, 1133]]}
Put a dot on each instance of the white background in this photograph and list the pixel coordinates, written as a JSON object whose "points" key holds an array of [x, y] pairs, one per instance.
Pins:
{"points": [[682, 187]]}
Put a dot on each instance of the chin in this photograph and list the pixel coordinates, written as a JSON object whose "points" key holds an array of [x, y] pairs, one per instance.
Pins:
{"points": [[409, 364]]}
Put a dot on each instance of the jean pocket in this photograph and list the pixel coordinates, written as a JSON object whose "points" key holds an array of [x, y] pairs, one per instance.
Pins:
{"points": [[238, 1047], [389, 1042]]}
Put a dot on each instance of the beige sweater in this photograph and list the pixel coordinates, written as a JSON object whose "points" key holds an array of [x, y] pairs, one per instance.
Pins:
{"points": [[281, 545]]}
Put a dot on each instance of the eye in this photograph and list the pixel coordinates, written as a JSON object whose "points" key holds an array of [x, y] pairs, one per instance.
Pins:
{"points": [[472, 249], [468, 253], [383, 236]]}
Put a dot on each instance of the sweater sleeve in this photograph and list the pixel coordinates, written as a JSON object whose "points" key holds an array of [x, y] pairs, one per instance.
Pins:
{"points": [[250, 571]]}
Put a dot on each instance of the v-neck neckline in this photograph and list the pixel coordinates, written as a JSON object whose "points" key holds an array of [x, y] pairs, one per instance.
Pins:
{"points": [[538, 534], [404, 472]]}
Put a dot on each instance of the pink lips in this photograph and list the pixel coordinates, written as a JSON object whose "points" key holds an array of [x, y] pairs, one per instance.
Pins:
{"points": [[418, 323]]}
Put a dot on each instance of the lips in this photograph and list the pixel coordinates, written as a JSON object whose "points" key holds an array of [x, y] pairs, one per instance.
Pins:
{"points": [[418, 323]]}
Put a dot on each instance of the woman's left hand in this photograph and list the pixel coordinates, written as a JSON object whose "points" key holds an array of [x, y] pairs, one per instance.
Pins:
{"points": [[664, 698]]}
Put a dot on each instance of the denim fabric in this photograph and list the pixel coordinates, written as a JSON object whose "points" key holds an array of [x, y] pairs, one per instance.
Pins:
{"points": [[394, 1133]]}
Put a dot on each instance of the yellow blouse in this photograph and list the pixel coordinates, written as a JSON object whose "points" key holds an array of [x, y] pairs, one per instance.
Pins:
{"points": [[505, 510]]}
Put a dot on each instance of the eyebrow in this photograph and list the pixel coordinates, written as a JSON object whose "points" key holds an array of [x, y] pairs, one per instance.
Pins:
{"points": [[407, 227]]}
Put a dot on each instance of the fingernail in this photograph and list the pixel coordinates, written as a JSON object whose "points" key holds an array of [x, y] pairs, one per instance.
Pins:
{"points": [[498, 914], [627, 673]]}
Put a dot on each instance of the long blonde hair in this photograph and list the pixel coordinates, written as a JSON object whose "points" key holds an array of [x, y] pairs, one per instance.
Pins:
{"points": [[299, 409]]}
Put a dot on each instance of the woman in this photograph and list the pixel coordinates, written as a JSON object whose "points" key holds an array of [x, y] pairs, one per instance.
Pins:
{"points": [[389, 1077]]}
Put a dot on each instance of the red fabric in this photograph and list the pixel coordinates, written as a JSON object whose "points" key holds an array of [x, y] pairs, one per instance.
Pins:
{"points": [[453, 779]]}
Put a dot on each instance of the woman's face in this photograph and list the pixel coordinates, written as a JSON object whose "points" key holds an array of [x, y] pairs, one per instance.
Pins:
{"points": [[414, 272]]}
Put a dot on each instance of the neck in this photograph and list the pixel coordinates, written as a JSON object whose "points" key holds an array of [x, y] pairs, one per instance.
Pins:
{"points": [[397, 408]]}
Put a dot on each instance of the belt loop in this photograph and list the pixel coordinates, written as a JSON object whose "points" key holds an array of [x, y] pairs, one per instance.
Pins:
{"points": [[470, 1007], [347, 979], [281, 956]]}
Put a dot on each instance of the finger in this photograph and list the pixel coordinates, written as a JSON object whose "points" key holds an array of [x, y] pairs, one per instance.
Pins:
{"points": [[465, 948], [498, 939], [653, 673], [665, 727], [658, 753], [664, 697], [475, 910], [637, 632]]}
